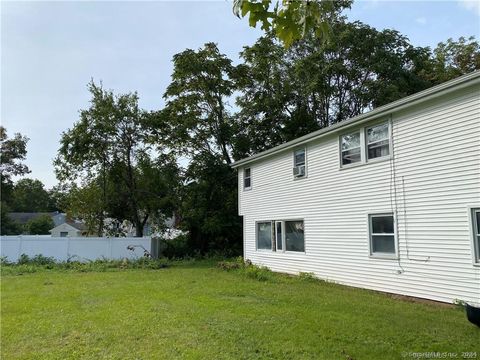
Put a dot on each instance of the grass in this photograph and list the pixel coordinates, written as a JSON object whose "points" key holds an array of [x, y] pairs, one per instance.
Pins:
{"points": [[195, 310]]}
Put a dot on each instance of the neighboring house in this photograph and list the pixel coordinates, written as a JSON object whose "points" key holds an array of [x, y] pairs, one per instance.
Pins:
{"points": [[388, 200], [70, 229]]}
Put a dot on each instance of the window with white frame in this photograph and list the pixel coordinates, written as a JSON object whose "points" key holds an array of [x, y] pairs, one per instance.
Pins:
{"points": [[63, 233], [351, 148], [382, 234], [247, 178], [378, 141], [279, 235], [294, 236], [264, 235], [287, 235], [476, 233], [299, 167]]}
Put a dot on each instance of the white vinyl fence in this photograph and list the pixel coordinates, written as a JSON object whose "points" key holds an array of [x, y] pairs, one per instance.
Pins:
{"points": [[73, 248]]}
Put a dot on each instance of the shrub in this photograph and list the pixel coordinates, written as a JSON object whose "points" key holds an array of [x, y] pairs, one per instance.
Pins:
{"points": [[307, 276], [40, 263], [260, 273], [236, 263]]}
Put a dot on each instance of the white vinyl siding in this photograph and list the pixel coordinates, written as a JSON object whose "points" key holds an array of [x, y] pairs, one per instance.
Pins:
{"points": [[429, 179]]}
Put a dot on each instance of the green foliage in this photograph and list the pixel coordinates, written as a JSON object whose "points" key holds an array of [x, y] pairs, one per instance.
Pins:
{"points": [[291, 20], [29, 195], [108, 150], [40, 263], [8, 226], [454, 58], [40, 225], [36, 260], [235, 264], [14, 151], [305, 276], [196, 118]]}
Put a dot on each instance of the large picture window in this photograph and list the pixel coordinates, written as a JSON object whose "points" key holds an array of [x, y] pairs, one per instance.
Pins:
{"points": [[378, 141], [264, 235], [476, 234], [281, 235], [351, 148], [382, 235]]}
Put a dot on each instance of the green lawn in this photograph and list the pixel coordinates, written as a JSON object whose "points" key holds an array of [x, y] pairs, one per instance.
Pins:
{"points": [[197, 311]]}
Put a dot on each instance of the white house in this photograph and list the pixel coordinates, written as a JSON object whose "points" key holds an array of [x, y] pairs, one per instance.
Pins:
{"points": [[69, 229], [388, 200]]}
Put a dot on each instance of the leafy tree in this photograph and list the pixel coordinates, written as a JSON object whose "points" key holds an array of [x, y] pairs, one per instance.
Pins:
{"points": [[289, 93], [291, 20], [86, 203], [7, 225], [209, 206], [13, 151], [40, 225], [29, 195], [454, 58], [197, 117], [107, 149]]}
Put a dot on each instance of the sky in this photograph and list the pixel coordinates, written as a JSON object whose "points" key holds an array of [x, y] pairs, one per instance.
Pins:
{"points": [[51, 50]]}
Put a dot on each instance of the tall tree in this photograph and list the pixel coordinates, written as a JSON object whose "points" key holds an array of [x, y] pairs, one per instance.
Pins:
{"points": [[29, 195], [106, 149], [285, 94], [13, 151], [454, 58], [197, 117]]}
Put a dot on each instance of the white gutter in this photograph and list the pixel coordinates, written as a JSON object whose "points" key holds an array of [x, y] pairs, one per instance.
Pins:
{"points": [[422, 96]]}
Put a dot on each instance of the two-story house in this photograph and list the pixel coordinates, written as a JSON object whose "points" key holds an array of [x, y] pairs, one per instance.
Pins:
{"points": [[388, 200]]}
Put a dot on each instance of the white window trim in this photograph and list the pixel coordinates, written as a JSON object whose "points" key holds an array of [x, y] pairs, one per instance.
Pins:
{"points": [[306, 162], [243, 179], [380, 158], [362, 153], [364, 146], [472, 227], [378, 255], [272, 234]]}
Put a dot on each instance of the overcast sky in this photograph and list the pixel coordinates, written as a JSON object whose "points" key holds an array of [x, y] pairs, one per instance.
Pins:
{"points": [[50, 51]]}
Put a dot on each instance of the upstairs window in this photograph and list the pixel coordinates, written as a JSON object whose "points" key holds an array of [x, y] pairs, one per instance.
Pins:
{"points": [[247, 178], [299, 169], [476, 234], [378, 141], [351, 148], [382, 235]]}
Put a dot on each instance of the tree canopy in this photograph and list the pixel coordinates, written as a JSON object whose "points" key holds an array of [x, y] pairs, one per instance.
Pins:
{"points": [[218, 111]]}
